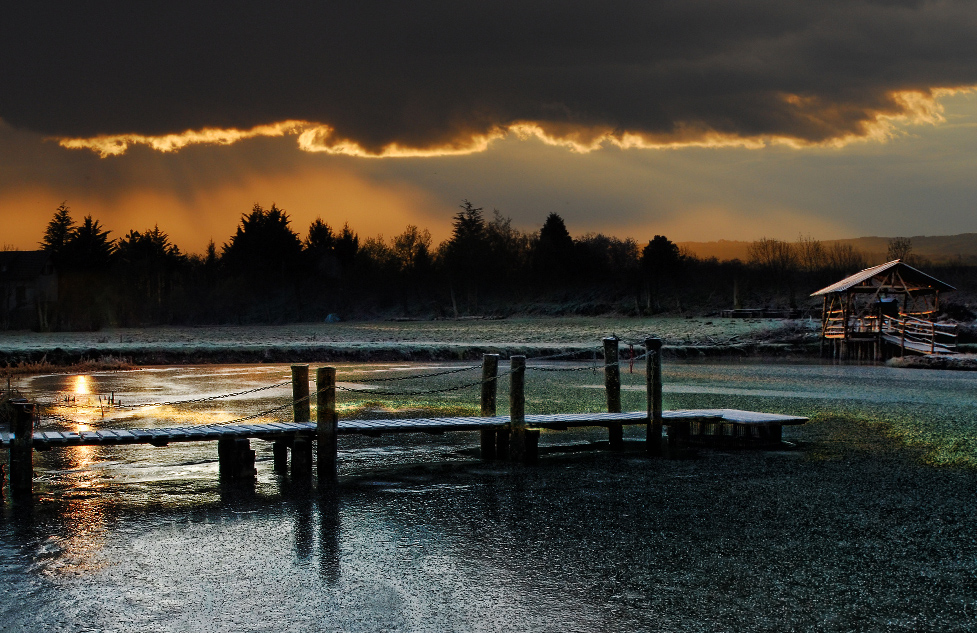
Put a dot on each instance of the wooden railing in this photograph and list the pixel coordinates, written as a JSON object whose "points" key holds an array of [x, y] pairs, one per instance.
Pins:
{"points": [[918, 334]]}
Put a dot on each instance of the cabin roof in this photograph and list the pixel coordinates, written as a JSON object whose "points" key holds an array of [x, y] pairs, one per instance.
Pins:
{"points": [[22, 265], [907, 273]]}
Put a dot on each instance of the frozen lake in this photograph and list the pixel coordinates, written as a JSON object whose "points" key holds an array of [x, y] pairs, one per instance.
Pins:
{"points": [[863, 526]]}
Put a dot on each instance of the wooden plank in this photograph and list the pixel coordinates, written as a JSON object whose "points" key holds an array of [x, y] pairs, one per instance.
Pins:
{"points": [[107, 436], [404, 425], [142, 435]]}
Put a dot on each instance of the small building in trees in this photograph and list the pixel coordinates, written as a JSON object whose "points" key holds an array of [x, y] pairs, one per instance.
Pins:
{"points": [[28, 289], [885, 308]]}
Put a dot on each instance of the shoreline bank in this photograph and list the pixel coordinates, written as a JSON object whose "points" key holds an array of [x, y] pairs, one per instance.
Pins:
{"points": [[367, 351]]}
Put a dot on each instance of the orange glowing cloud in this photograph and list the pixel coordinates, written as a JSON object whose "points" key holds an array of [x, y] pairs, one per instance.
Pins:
{"points": [[831, 121]]}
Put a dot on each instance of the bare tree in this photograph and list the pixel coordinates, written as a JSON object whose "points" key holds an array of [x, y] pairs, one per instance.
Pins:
{"points": [[844, 259], [811, 254], [900, 248], [778, 259]]}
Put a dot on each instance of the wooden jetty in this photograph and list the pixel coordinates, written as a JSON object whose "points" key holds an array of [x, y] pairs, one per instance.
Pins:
{"points": [[513, 437]]}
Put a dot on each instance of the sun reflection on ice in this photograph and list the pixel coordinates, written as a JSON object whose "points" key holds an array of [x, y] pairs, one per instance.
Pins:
{"points": [[82, 385]]}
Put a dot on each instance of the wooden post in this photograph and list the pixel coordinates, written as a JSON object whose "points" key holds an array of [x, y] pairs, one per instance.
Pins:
{"points": [[22, 450], [301, 457], [653, 380], [280, 450], [301, 411], [502, 443], [490, 389], [245, 469], [517, 408], [327, 424], [227, 457], [612, 382], [905, 322]]}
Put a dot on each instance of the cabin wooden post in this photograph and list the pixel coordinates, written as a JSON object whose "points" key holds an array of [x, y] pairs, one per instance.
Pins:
{"points": [[612, 383], [327, 424], [653, 383], [21, 452], [517, 408], [490, 388], [824, 325], [301, 410]]}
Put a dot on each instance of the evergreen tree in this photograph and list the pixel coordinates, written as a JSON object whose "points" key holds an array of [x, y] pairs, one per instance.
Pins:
{"points": [[660, 262], [58, 234], [264, 245], [89, 247]]}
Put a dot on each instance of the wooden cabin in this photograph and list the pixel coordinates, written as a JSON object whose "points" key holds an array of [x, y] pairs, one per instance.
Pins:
{"points": [[885, 309]]}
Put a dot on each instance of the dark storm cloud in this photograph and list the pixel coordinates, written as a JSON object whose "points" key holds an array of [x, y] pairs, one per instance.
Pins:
{"points": [[428, 73]]}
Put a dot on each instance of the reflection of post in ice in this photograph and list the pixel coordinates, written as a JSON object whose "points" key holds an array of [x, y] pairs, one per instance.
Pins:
{"points": [[306, 507], [304, 533], [329, 526]]}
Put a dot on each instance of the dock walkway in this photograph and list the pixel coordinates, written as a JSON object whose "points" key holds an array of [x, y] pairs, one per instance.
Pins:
{"points": [[271, 431]]}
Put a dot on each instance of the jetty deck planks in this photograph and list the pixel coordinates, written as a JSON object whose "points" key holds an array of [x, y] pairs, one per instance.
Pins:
{"points": [[274, 430]]}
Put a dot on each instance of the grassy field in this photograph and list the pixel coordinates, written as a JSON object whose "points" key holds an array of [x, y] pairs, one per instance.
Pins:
{"points": [[573, 331]]}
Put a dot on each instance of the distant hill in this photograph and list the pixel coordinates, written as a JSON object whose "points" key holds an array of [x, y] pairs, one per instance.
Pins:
{"points": [[936, 248]]}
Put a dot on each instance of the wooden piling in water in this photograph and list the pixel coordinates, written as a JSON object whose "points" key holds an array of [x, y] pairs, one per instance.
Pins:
{"points": [[301, 457], [236, 459], [653, 380], [490, 389], [21, 453], [517, 408], [612, 383], [301, 411], [280, 451], [327, 424]]}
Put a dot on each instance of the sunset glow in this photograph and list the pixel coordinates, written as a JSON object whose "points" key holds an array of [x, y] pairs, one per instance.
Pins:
{"points": [[908, 108], [82, 385], [820, 119]]}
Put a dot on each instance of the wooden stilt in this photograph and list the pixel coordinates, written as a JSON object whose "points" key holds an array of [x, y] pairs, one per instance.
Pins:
{"points": [[301, 457], [490, 388], [517, 408], [502, 443], [531, 447], [280, 451], [22, 450], [327, 424], [653, 384], [227, 461], [612, 383], [301, 411], [245, 469]]}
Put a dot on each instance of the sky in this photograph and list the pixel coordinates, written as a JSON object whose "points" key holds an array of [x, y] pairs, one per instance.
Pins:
{"points": [[698, 120]]}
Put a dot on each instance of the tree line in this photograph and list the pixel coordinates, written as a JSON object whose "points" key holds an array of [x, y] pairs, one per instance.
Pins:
{"points": [[266, 272]]}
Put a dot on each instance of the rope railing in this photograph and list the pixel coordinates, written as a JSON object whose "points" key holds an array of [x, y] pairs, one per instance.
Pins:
{"points": [[203, 399], [592, 366], [419, 376]]}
